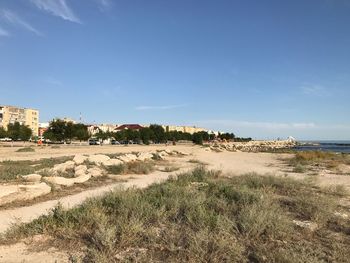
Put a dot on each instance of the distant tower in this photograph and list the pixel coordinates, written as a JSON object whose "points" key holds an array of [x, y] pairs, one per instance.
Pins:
{"points": [[80, 118]]}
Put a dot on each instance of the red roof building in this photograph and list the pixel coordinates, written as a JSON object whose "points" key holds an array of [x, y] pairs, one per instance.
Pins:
{"points": [[129, 127]]}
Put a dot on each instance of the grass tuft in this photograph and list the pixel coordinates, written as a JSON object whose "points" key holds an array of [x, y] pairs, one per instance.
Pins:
{"points": [[25, 150]]}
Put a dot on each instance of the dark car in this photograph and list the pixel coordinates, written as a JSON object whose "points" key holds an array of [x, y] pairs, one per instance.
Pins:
{"points": [[94, 142]]}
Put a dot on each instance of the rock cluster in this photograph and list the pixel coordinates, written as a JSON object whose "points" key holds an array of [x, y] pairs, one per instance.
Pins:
{"points": [[81, 169], [252, 146]]}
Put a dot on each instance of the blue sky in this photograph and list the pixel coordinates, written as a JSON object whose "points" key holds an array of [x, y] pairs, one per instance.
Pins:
{"points": [[264, 69]]}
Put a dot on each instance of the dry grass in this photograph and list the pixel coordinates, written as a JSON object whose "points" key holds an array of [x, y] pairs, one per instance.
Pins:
{"points": [[195, 161], [136, 167], [201, 217], [311, 160], [25, 150], [170, 169], [11, 170]]}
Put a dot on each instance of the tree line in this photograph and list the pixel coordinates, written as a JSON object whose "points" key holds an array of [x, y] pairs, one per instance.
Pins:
{"points": [[60, 130], [16, 131]]}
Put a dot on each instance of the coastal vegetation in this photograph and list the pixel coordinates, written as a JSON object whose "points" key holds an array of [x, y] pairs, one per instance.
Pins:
{"points": [[11, 170], [137, 167], [202, 217], [315, 160]]}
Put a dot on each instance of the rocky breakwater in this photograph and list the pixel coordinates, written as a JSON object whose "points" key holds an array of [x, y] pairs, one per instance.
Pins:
{"points": [[253, 146]]}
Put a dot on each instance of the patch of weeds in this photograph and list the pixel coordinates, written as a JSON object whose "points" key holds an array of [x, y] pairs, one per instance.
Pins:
{"points": [[337, 190], [140, 167], [55, 147], [113, 155], [25, 150], [136, 167], [11, 170], [169, 169], [299, 168], [197, 162], [246, 218], [115, 169]]}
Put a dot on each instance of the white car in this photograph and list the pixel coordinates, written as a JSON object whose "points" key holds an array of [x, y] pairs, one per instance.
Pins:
{"points": [[6, 139]]}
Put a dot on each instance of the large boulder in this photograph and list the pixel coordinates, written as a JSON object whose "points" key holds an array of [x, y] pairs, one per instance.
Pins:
{"points": [[11, 193], [98, 159], [82, 179], [63, 167], [126, 158], [79, 159], [80, 170], [144, 156], [113, 162], [33, 178], [95, 172], [58, 180]]}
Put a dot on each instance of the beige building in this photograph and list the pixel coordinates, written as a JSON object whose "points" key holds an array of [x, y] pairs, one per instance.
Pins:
{"points": [[12, 114], [187, 129]]}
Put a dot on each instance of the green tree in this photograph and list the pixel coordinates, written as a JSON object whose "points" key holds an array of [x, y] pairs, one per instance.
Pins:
{"points": [[197, 138], [3, 132], [146, 134], [13, 130], [25, 133], [56, 130], [17, 131], [159, 135], [81, 132]]}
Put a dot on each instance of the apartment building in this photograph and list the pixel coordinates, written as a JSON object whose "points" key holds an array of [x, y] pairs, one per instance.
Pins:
{"points": [[187, 129], [25, 116]]}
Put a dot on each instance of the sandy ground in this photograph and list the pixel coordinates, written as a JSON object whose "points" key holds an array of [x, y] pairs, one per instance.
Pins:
{"points": [[231, 163]]}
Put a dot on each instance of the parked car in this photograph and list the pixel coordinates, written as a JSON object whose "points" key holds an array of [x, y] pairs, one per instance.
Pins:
{"points": [[6, 139], [115, 142], [94, 141]]}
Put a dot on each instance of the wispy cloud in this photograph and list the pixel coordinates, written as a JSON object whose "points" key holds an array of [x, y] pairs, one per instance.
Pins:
{"points": [[164, 107], [315, 90], [4, 33], [53, 81], [104, 4], [14, 19], [58, 8]]}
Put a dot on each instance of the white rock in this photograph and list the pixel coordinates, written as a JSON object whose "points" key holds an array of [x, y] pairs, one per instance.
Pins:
{"points": [[144, 156], [63, 167], [79, 159], [11, 193], [112, 162], [98, 159], [58, 180], [82, 179], [80, 170], [306, 224], [128, 158], [95, 172], [32, 178]]}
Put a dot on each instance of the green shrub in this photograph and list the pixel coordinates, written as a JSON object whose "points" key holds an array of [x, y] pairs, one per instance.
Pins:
{"points": [[25, 150]]}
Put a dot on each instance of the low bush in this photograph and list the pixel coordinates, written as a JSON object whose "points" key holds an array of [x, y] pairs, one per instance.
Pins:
{"points": [[329, 160], [25, 150], [136, 167]]}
